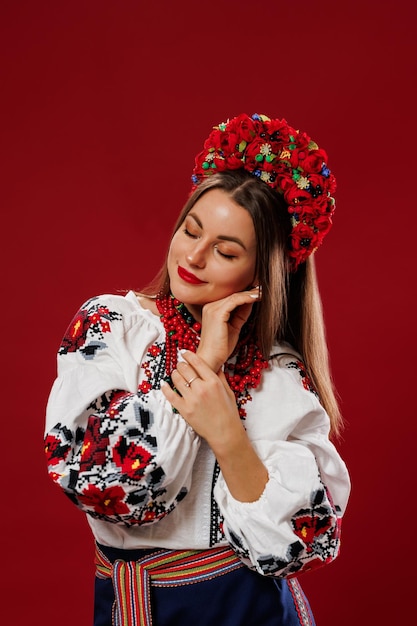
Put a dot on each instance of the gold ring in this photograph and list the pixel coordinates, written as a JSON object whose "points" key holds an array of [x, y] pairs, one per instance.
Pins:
{"points": [[188, 382]]}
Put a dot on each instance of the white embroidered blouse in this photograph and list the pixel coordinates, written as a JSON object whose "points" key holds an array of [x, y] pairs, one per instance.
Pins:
{"points": [[145, 479]]}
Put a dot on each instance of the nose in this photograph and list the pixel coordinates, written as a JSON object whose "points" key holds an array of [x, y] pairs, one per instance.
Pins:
{"points": [[196, 255]]}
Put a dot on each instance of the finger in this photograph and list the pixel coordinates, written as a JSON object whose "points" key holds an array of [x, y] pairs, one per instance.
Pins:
{"points": [[178, 380], [243, 297], [235, 299], [181, 384], [186, 371], [171, 396], [169, 393], [240, 315], [202, 370], [256, 292]]}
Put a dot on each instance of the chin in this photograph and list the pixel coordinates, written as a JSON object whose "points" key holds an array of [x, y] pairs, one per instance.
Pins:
{"points": [[185, 293]]}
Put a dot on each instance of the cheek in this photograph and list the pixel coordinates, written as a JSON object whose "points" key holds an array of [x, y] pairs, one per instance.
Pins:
{"points": [[240, 280], [173, 248], [249, 274], [171, 262]]}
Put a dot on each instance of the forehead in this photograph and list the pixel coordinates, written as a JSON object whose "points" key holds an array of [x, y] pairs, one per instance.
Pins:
{"points": [[217, 212]]}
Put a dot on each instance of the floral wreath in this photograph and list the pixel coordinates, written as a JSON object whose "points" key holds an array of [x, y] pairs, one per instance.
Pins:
{"points": [[286, 160]]}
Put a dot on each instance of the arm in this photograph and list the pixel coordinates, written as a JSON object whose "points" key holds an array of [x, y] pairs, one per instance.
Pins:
{"points": [[288, 519], [295, 525], [209, 406], [119, 454]]}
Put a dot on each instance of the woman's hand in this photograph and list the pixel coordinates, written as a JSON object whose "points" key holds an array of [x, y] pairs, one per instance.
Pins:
{"points": [[209, 406], [221, 324], [205, 401]]}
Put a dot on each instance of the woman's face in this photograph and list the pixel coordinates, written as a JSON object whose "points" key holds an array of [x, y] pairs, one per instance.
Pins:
{"points": [[213, 253]]}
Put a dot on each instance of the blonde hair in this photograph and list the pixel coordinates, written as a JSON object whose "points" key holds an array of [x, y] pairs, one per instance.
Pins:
{"points": [[290, 309]]}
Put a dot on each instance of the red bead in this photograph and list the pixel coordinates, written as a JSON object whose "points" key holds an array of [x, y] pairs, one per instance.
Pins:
{"points": [[179, 334]]}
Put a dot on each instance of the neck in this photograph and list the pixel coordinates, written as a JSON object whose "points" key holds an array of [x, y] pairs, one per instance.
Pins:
{"points": [[195, 310]]}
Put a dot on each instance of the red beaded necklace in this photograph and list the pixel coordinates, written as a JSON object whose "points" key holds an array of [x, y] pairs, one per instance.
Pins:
{"points": [[243, 370]]}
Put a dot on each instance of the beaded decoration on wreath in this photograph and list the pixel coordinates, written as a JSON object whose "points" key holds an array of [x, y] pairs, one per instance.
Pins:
{"points": [[286, 160], [243, 370]]}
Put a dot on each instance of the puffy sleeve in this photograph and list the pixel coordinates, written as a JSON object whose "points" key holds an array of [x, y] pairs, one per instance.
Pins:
{"points": [[120, 454], [295, 525]]}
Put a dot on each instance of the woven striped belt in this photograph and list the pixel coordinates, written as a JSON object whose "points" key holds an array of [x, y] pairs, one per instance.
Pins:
{"points": [[165, 568]]}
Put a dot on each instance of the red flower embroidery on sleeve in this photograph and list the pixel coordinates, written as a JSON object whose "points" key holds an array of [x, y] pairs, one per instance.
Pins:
{"points": [[131, 458], [105, 502], [55, 451]]}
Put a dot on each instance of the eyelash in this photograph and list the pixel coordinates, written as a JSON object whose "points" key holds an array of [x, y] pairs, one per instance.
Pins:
{"points": [[225, 256], [187, 232]]}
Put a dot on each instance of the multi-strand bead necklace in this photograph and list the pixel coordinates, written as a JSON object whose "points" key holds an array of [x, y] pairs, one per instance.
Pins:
{"points": [[243, 370]]}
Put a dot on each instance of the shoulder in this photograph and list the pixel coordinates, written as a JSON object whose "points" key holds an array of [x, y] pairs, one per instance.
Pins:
{"points": [[113, 307], [105, 316], [100, 312], [287, 363], [286, 399]]}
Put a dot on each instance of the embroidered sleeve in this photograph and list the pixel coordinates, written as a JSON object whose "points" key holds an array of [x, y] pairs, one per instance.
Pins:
{"points": [[119, 454], [295, 525]]}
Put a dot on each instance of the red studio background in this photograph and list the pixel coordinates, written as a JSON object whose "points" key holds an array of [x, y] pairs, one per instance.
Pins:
{"points": [[104, 105]]}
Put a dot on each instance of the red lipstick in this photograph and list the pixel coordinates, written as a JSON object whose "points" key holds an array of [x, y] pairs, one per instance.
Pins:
{"points": [[188, 277]]}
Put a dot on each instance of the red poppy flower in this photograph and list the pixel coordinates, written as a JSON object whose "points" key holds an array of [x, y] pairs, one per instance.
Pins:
{"points": [[145, 386], [55, 451], [105, 502], [131, 458], [308, 526]]}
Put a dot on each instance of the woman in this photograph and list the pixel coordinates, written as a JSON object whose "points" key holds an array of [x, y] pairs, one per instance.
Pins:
{"points": [[191, 421]]}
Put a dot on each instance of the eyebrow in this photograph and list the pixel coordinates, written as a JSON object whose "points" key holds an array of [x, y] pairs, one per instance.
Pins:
{"points": [[222, 237]]}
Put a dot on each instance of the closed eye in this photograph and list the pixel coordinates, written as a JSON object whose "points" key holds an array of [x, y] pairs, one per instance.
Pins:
{"points": [[226, 256], [189, 234]]}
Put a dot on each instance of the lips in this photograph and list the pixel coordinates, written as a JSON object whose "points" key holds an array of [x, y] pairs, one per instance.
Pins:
{"points": [[188, 277]]}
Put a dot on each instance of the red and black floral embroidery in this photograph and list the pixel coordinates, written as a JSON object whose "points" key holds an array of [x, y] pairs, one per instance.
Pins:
{"points": [[317, 520], [109, 468], [132, 458], [154, 368], [318, 528], [93, 320], [57, 448], [107, 502], [305, 378], [93, 450]]}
